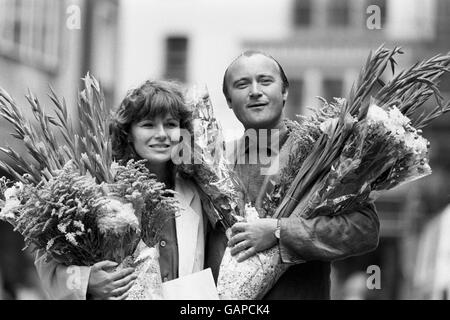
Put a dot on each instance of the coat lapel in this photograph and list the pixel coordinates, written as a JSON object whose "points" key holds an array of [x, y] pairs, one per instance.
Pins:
{"points": [[187, 225]]}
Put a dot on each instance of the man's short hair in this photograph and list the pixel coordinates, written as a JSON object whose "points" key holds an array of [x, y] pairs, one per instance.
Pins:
{"points": [[250, 53]]}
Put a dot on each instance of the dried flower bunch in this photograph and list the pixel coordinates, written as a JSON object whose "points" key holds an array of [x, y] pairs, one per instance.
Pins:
{"points": [[391, 114], [219, 188], [345, 154], [74, 202]]}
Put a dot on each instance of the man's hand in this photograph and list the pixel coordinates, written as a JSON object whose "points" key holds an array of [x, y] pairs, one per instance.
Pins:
{"points": [[248, 238], [109, 285]]}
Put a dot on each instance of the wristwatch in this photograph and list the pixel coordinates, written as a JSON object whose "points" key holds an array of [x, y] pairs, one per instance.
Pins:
{"points": [[276, 233]]}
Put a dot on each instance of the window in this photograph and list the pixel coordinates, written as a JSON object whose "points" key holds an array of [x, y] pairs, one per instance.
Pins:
{"points": [[338, 13], [295, 98], [104, 22], [332, 88], [176, 58], [29, 31], [302, 13], [7, 13], [18, 17]]}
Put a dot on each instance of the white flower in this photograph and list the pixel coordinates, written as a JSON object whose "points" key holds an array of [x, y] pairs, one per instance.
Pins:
{"points": [[250, 213], [393, 120], [416, 143], [10, 205], [71, 238], [376, 114], [13, 192], [50, 244], [62, 227], [12, 202], [79, 225], [116, 216], [397, 125]]}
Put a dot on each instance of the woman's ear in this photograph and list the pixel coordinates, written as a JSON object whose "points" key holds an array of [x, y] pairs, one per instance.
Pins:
{"points": [[129, 138]]}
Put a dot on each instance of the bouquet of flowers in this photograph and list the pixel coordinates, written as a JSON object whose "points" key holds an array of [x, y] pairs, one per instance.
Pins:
{"points": [[75, 203], [207, 166], [345, 154]]}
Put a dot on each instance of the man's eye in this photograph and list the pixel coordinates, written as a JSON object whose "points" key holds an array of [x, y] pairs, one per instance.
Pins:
{"points": [[241, 85], [266, 81]]}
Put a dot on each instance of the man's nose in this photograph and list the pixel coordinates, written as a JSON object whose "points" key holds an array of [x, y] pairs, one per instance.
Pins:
{"points": [[255, 90]]}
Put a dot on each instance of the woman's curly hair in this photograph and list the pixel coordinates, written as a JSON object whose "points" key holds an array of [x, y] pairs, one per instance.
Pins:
{"points": [[151, 99]]}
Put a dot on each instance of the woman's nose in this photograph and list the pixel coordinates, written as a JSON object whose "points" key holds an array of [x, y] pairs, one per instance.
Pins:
{"points": [[160, 131]]}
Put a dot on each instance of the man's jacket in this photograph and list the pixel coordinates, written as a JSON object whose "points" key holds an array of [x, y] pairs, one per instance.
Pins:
{"points": [[309, 245]]}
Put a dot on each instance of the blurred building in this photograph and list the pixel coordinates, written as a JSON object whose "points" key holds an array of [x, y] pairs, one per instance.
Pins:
{"points": [[194, 41], [431, 279], [321, 43], [42, 43], [327, 44], [54, 42]]}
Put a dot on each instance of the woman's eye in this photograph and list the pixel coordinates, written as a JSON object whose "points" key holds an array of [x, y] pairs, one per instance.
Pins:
{"points": [[172, 124], [147, 124]]}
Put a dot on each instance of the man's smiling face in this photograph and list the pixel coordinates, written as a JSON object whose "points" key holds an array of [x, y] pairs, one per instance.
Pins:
{"points": [[255, 91]]}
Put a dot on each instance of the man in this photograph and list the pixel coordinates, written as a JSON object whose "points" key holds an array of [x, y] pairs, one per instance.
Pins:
{"points": [[256, 89]]}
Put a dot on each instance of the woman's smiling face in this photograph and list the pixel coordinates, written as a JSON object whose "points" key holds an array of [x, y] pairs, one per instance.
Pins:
{"points": [[153, 139]]}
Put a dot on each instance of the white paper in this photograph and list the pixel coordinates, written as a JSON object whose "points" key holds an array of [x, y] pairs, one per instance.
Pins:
{"points": [[196, 286]]}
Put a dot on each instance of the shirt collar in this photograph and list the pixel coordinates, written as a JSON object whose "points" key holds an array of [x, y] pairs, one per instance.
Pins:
{"points": [[278, 138]]}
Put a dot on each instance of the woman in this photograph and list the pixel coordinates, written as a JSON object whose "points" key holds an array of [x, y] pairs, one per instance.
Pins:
{"points": [[147, 125]]}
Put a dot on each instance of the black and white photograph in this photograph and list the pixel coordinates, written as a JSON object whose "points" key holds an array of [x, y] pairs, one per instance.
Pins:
{"points": [[224, 153]]}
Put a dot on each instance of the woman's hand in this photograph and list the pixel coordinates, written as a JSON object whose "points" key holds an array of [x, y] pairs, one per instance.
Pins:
{"points": [[109, 285], [249, 238]]}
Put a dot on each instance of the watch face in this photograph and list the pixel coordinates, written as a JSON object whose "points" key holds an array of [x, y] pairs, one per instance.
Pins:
{"points": [[277, 233]]}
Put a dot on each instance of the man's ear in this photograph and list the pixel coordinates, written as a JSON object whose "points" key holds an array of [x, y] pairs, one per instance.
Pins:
{"points": [[229, 103], [285, 96]]}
